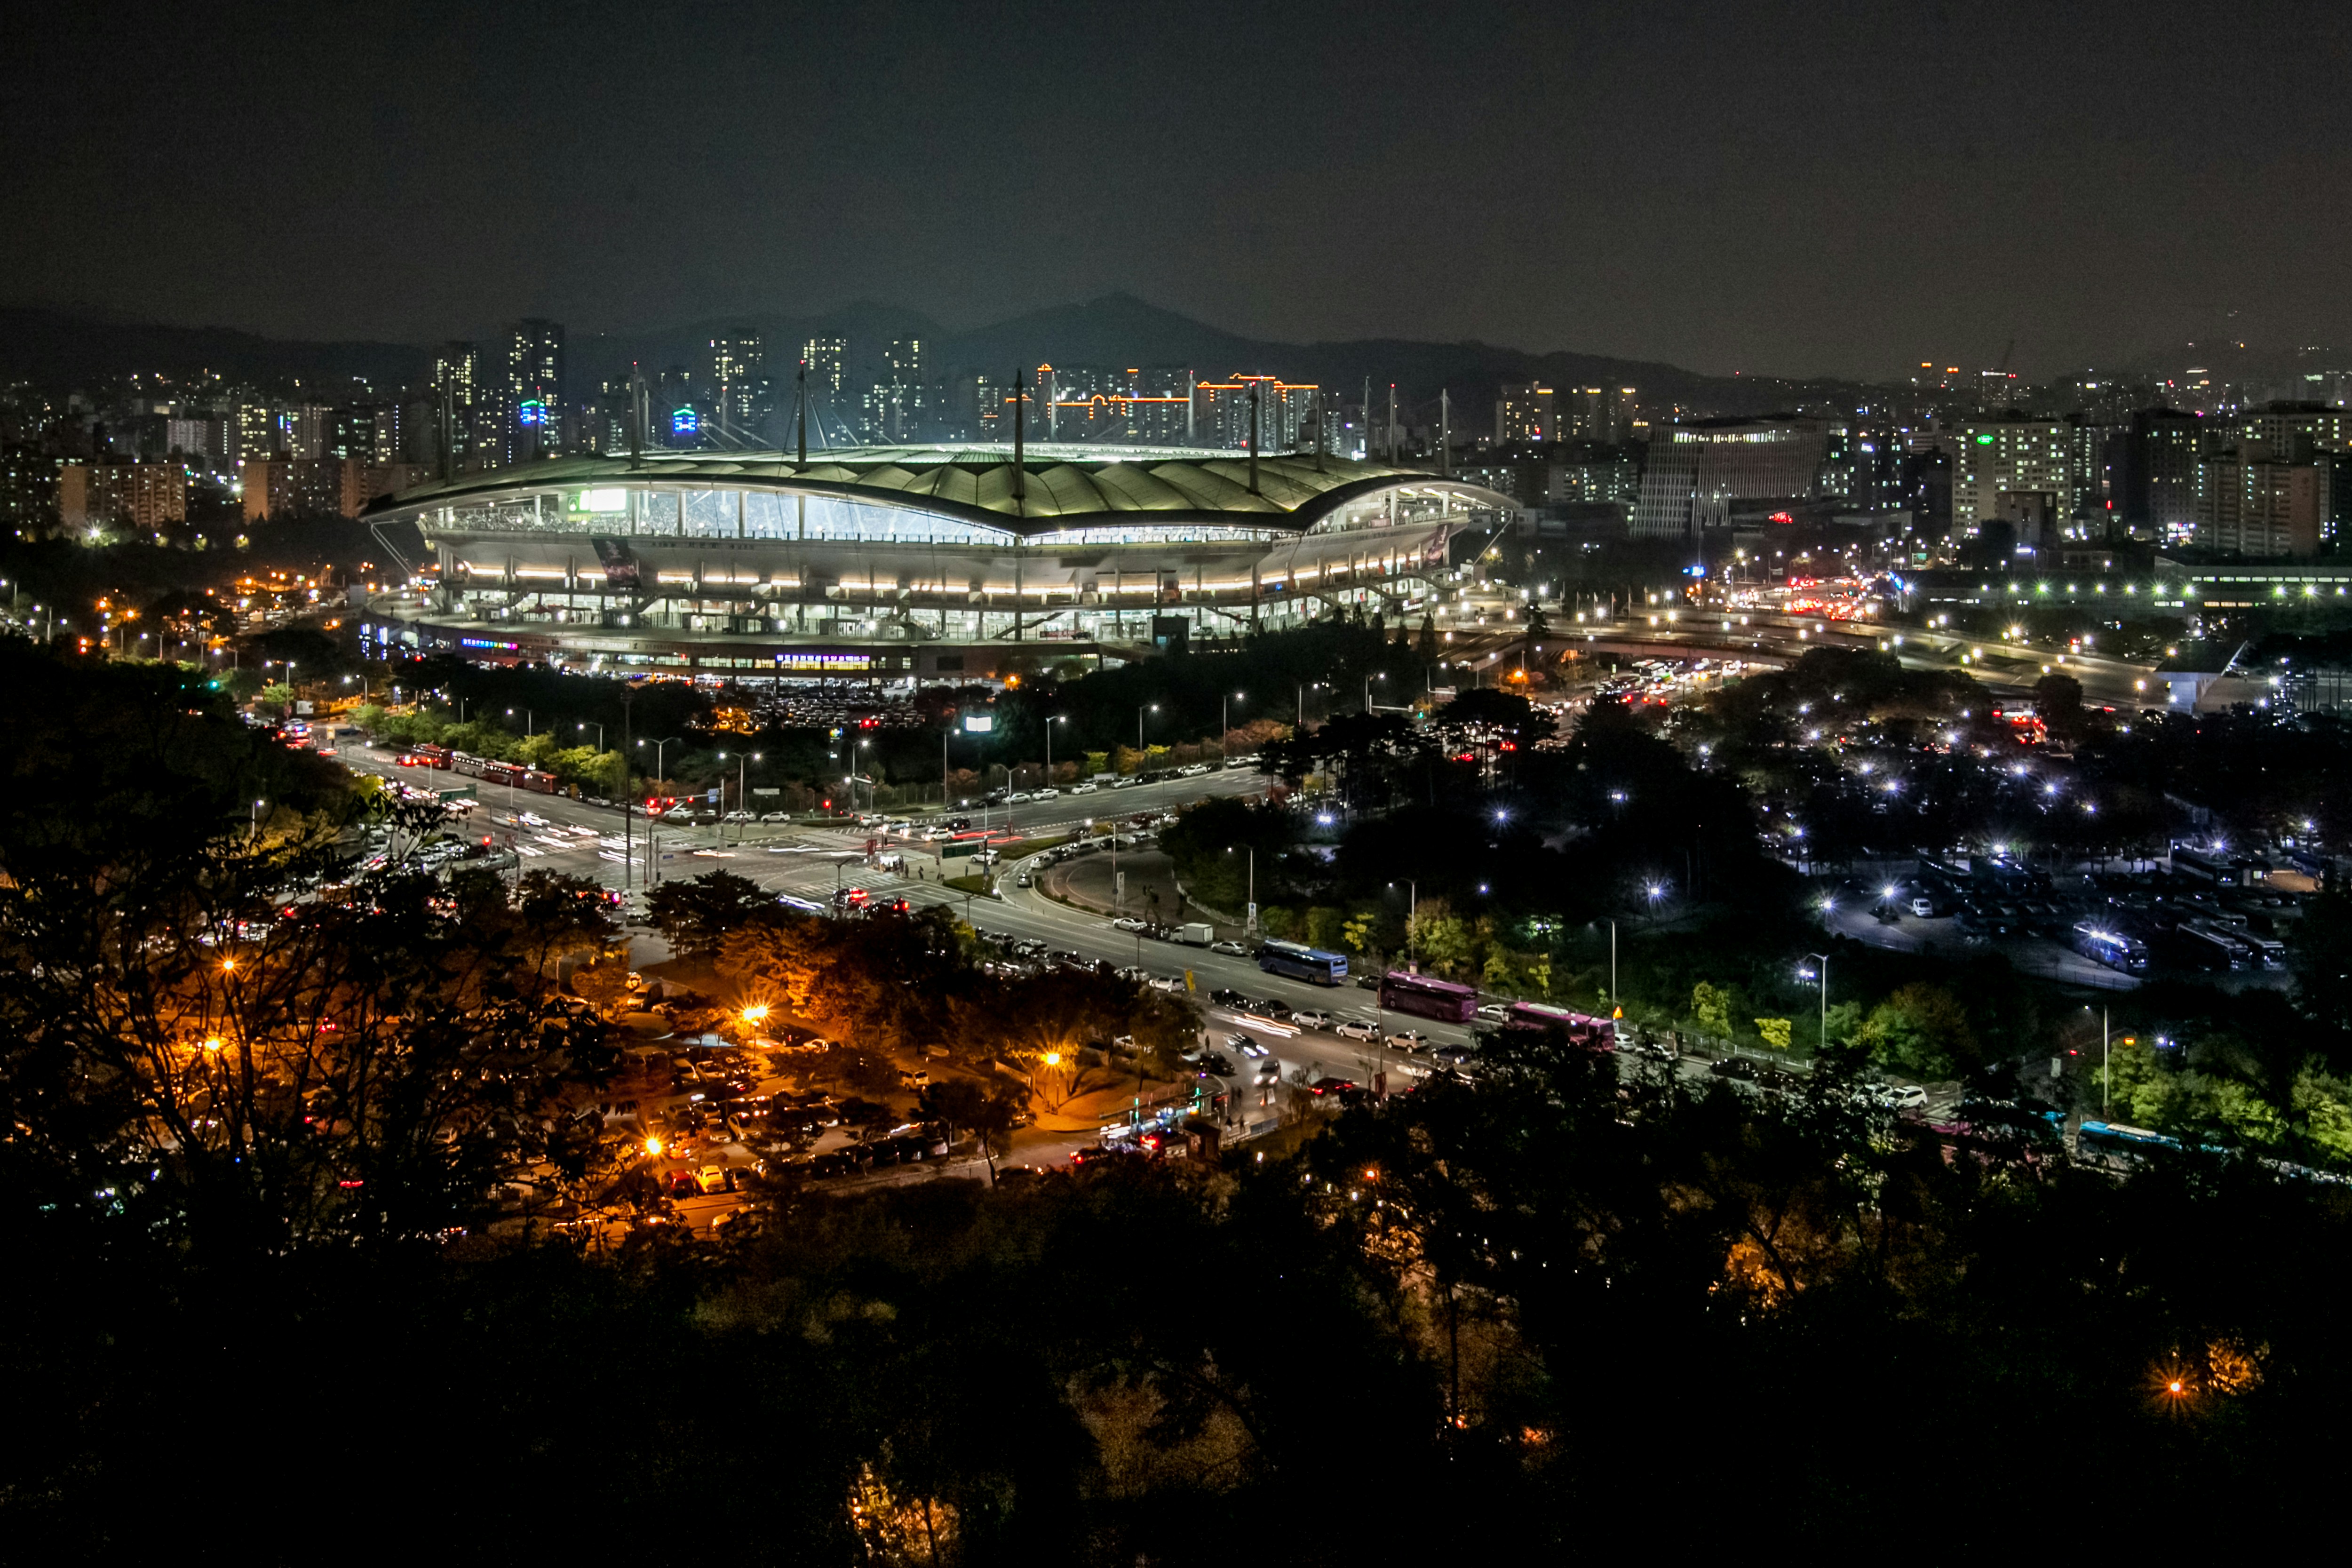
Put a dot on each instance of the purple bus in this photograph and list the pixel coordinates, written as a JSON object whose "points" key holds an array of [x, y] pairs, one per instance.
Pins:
{"points": [[1427, 998], [1581, 1027]]}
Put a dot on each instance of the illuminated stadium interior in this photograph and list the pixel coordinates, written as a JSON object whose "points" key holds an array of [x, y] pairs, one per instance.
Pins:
{"points": [[900, 561]]}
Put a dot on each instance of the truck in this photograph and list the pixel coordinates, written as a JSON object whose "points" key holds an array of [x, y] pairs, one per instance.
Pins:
{"points": [[1196, 933]]}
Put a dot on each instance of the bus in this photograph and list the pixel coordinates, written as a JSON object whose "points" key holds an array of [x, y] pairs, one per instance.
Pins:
{"points": [[2111, 948], [1427, 998], [2208, 947], [1581, 1027], [1303, 963]]}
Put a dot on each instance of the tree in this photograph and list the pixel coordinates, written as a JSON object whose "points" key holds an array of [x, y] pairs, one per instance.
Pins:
{"points": [[1711, 1009], [984, 1110], [2319, 956], [1921, 1029], [1776, 1033], [696, 915]]}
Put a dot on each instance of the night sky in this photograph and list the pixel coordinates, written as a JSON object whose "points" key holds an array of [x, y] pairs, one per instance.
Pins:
{"points": [[1820, 187]]}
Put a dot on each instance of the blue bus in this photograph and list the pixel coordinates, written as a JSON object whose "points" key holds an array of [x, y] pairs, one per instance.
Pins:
{"points": [[2111, 948], [1426, 998], [1303, 963]]}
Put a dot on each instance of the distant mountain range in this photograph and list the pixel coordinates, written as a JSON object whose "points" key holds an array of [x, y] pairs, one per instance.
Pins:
{"points": [[58, 347]]}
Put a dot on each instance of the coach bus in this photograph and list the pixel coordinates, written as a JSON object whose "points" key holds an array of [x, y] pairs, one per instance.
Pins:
{"points": [[1581, 1027], [1303, 963], [2111, 948], [1427, 998]]}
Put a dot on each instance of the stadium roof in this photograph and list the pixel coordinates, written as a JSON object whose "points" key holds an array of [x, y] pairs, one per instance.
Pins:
{"points": [[976, 481]]}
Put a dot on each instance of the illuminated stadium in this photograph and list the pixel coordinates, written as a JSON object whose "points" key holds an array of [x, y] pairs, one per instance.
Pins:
{"points": [[901, 563]]}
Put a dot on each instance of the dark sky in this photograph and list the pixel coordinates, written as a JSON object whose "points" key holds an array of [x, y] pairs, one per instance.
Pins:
{"points": [[1799, 188]]}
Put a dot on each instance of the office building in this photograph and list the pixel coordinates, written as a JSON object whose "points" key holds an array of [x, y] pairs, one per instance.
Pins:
{"points": [[462, 422], [1710, 473]]}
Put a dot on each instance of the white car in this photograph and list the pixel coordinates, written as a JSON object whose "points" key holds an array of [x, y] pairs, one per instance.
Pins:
{"points": [[775, 816], [1129, 782], [1493, 1012], [1019, 797], [1311, 1019], [1167, 983], [1128, 922], [1085, 788], [1048, 793], [739, 817], [1903, 1097], [533, 819], [1356, 1029], [1195, 771], [1229, 946]]}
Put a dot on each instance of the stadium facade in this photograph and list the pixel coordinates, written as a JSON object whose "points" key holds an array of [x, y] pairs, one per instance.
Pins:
{"points": [[904, 563]]}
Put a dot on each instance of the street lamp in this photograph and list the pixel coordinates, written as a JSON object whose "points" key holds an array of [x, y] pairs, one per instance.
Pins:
{"points": [[1225, 723], [742, 793], [1823, 975], [1139, 712], [1382, 676], [600, 733], [660, 751], [1057, 719], [1250, 923], [1411, 915]]}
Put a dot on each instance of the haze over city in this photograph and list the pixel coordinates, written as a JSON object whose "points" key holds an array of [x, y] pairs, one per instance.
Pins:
{"points": [[1783, 190]]}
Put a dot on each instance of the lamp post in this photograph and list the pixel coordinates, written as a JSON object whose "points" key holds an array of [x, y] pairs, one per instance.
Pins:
{"points": [[1411, 913], [1057, 719], [1225, 723], [1823, 975], [1140, 711], [600, 732], [661, 750], [1382, 676], [1249, 922], [742, 792], [529, 724]]}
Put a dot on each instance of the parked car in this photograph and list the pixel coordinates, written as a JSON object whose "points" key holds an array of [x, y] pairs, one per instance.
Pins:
{"points": [[1085, 788], [1229, 946], [1311, 1019], [1357, 1029], [1226, 997], [1128, 922]]}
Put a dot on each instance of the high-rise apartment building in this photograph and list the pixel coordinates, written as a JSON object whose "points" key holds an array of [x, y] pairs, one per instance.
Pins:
{"points": [[1604, 414], [1220, 412], [828, 365], [260, 430], [2012, 469], [462, 422], [2298, 431], [532, 420], [2160, 472], [102, 495], [739, 370], [1523, 414], [2254, 504]]}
